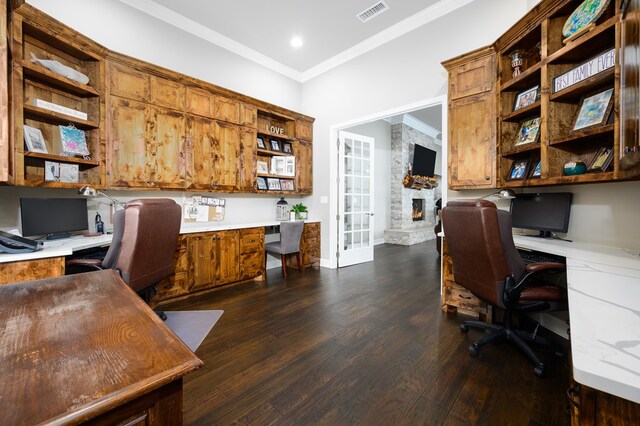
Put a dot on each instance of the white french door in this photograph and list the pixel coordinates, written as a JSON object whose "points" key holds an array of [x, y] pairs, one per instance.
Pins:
{"points": [[355, 199]]}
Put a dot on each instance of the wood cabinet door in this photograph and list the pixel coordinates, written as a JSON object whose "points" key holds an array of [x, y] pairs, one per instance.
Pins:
{"points": [[168, 157], [227, 257], [227, 110], [166, 93], [247, 164], [304, 130], [129, 143], [472, 142], [127, 82], [178, 283], [200, 102], [224, 163], [201, 148], [473, 76], [304, 167], [248, 115], [200, 253]]}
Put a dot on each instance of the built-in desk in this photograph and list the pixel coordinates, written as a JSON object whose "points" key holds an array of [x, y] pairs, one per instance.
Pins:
{"points": [[85, 348], [604, 312]]}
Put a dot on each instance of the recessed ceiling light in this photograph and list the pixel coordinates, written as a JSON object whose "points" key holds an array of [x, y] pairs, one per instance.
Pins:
{"points": [[296, 41]]}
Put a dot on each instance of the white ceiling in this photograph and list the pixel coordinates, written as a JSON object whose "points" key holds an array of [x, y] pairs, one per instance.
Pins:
{"points": [[261, 30]]}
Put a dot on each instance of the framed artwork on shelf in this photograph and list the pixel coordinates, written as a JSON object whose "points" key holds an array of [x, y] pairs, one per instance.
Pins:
{"points": [[261, 144], [286, 184], [278, 165], [273, 183], [526, 98], [262, 183], [51, 171], [275, 145], [34, 140], [602, 160], [69, 173], [263, 167], [528, 132], [594, 110], [286, 148], [536, 171], [73, 141], [519, 170]]}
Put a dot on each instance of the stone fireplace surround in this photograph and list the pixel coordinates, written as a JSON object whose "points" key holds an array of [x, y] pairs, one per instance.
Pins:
{"points": [[403, 229]]}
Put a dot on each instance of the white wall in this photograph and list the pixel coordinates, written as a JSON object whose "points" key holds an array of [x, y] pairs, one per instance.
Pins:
{"points": [[379, 130], [402, 72], [124, 29]]}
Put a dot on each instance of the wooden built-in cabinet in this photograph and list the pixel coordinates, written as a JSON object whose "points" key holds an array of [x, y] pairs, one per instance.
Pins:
{"points": [[472, 106], [590, 407], [34, 34], [309, 247], [6, 149], [484, 110]]}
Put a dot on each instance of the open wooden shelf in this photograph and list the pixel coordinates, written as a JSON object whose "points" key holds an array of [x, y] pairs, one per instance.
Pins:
{"points": [[42, 74], [518, 115], [517, 151], [581, 136], [573, 93], [587, 46], [52, 117], [526, 80], [275, 136], [38, 158], [267, 175], [261, 151]]}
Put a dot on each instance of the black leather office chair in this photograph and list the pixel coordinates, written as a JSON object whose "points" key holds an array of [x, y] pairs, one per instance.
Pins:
{"points": [[290, 237], [485, 261], [143, 247]]}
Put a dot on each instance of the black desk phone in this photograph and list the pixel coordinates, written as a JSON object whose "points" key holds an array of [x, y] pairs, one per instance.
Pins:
{"points": [[10, 243]]}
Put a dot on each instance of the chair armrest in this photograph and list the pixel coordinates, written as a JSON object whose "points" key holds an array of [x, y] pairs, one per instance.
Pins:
{"points": [[76, 266], [545, 266]]}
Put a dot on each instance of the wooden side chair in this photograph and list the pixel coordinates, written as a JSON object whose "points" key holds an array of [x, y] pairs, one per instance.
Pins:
{"points": [[290, 237]]}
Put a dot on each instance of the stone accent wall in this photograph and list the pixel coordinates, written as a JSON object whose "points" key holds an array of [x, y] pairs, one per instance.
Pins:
{"points": [[403, 229]]}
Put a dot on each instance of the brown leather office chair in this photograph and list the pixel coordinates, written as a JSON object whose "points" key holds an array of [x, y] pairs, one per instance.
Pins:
{"points": [[290, 237], [486, 262], [144, 243]]}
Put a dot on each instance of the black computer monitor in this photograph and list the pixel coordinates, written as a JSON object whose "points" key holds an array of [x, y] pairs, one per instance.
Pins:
{"points": [[424, 161], [53, 217], [545, 212]]}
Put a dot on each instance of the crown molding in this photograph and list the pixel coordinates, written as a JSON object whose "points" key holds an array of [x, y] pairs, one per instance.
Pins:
{"points": [[190, 26], [401, 28], [416, 124]]}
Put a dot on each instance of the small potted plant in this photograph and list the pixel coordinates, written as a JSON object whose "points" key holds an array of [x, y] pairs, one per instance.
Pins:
{"points": [[300, 211]]}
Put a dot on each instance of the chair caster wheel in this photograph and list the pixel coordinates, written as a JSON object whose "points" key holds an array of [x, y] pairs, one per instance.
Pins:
{"points": [[464, 328], [473, 351], [538, 371]]}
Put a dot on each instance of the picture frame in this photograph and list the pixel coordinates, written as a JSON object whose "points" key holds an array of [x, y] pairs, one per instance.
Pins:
{"points": [[73, 141], [526, 98], [286, 184], [263, 167], [289, 166], [287, 148], [528, 132], [262, 183], [278, 165], [536, 170], [602, 160], [34, 140], [594, 110], [51, 171], [273, 184], [275, 145], [519, 169], [260, 142]]}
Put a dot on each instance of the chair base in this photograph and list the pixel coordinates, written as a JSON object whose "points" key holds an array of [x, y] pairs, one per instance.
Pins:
{"points": [[501, 333]]}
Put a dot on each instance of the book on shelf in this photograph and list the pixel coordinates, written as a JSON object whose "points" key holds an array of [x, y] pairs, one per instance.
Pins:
{"points": [[59, 108]]}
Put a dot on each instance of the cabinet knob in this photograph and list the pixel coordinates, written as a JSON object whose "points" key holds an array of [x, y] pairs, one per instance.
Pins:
{"points": [[155, 182], [251, 241], [487, 178], [147, 181]]}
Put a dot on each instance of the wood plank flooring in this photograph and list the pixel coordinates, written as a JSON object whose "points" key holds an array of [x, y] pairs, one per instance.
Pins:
{"points": [[367, 344]]}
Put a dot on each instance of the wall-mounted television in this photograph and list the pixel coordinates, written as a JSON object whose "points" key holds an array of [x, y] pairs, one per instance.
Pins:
{"points": [[424, 161], [53, 217]]}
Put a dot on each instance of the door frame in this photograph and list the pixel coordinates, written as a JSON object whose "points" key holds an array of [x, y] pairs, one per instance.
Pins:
{"points": [[333, 163]]}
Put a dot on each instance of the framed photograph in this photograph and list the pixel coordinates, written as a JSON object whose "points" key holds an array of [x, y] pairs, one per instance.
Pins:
{"points": [[594, 110], [34, 140], [289, 166], [262, 183], [273, 183], [602, 160], [51, 171], [263, 167], [536, 170], [286, 148], [519, 170], [278, 165], [286, 184], [69, 173], [275, 145], [526, 98], [529, 132], [261, 144], [73, 141]]}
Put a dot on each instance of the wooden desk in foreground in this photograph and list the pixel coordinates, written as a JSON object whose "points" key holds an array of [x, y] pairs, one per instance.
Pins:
{"points": [[86, 348]]}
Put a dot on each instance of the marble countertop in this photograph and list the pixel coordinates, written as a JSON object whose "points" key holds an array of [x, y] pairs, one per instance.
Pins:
{"points": [[66, 246]]}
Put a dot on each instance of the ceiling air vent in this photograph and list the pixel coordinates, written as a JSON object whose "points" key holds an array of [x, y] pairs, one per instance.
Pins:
{"points": [[373, 11]]}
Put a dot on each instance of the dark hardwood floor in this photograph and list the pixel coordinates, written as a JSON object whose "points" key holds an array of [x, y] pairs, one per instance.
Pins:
{"points": [[367, 344]]}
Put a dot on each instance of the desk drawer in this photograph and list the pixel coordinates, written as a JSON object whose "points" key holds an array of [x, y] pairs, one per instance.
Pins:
{"points": [[251, 265], [251, 240]]}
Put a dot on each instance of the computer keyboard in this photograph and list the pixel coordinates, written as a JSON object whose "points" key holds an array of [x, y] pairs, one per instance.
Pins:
{"points": [[532, 256], [90, 253]]}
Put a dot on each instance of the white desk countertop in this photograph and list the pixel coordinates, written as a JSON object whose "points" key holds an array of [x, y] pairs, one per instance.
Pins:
{"points": [[66, 246], [604, 313]]}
